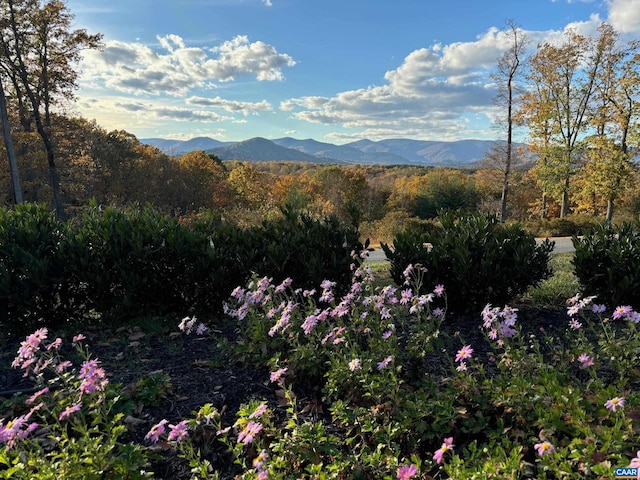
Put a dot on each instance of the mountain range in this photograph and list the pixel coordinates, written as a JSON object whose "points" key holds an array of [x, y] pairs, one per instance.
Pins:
{"points": [[461, 153]]}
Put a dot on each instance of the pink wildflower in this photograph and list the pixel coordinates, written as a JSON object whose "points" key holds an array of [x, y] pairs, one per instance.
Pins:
{"points": [[446, 446], [462, 367], [585, 361], [621, 311], [439, 290], [277, 376], [387, 334], [635, 462], [259, 411], [179, 431], [69, 410], [615, 402], [544, 448], [405, 472], [464, 353], [33, 397], [355, 365], [94, 379], [78, 338], [250, 431], [55, 345], [385, 363], [62, 366], [575, 324], [201, 330]]}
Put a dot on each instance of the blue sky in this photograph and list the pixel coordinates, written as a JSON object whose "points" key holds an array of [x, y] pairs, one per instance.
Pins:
{"points": [[333, 70]]}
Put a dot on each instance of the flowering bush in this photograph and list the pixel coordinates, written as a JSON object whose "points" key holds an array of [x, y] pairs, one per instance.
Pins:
{"points": [[71, 427], [507, 404]]}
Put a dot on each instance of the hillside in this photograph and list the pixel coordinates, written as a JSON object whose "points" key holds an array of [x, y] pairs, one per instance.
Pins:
{"points": [[462, 153], [261, 149]]}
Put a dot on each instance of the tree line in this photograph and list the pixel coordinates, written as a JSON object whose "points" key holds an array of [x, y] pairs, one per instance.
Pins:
{"points": [[577, 99]]}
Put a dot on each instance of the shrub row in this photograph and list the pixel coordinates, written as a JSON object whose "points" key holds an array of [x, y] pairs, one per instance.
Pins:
{"points": [[607, 263], [478, 259], [125, 263]]}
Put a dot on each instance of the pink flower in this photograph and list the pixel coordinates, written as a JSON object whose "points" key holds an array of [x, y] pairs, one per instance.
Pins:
{"points": [[405, 472], [201, 330], [464, 353], [387, 334], [78, 338], [55, 345], [462, 367], [446, 446], [354, 364], [615, 402], [635, 462], [585, 361], [94, 379], [544, 448], [33, 397], [621, 311], [258, 412], [249, 432], [156, 431], [69, 410], [439, 290], [385, 363], [178, 432], [62, 366], [277, 376], [575, 324]]}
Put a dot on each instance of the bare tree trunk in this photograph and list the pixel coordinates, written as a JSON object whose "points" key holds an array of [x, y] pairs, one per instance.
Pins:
{"points": [[564, 208], [610, 209], [11, 153]]}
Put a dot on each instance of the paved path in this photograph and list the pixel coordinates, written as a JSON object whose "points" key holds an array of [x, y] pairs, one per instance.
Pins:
{"points": [[563, 245]]}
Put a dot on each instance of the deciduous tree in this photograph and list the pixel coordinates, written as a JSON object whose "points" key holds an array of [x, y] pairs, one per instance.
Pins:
{"points": [[506, 76], [39, 52]]}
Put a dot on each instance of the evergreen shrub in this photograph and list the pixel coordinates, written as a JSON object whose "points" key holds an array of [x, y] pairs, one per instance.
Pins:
{"points": [[123, 263], [306, 249], [31, 268], [607, 264], [476, 258]]}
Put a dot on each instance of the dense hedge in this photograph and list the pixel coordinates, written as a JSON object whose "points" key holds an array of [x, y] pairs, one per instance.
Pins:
{"points": [[124, 263], [477, 259], [607, 264]]}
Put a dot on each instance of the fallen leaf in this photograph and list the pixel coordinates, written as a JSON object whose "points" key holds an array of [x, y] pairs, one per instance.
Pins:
{"points": [[313, 406], [137, 336], [132, 423]]}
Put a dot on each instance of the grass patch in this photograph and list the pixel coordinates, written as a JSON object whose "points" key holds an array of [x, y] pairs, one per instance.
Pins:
{"points": [[563, 284]]}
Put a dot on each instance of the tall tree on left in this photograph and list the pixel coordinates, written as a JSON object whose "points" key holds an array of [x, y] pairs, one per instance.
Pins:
{"points": [[39, 54]]}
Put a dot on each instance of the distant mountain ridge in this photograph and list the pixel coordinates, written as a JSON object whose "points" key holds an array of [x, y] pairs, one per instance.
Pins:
{"points": [[397, 151]]}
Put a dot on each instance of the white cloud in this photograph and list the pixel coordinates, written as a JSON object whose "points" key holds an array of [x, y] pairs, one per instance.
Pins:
{"points": [[624, 15], [267, 3], [136, 68], [430, 94], [232, 106], [114, 111]]}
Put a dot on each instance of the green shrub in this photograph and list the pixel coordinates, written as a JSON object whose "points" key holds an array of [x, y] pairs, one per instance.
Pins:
{"points": [[607, 263], [575, 224], [476, 258], [31, 268], [140, 261], [309, 250]]}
